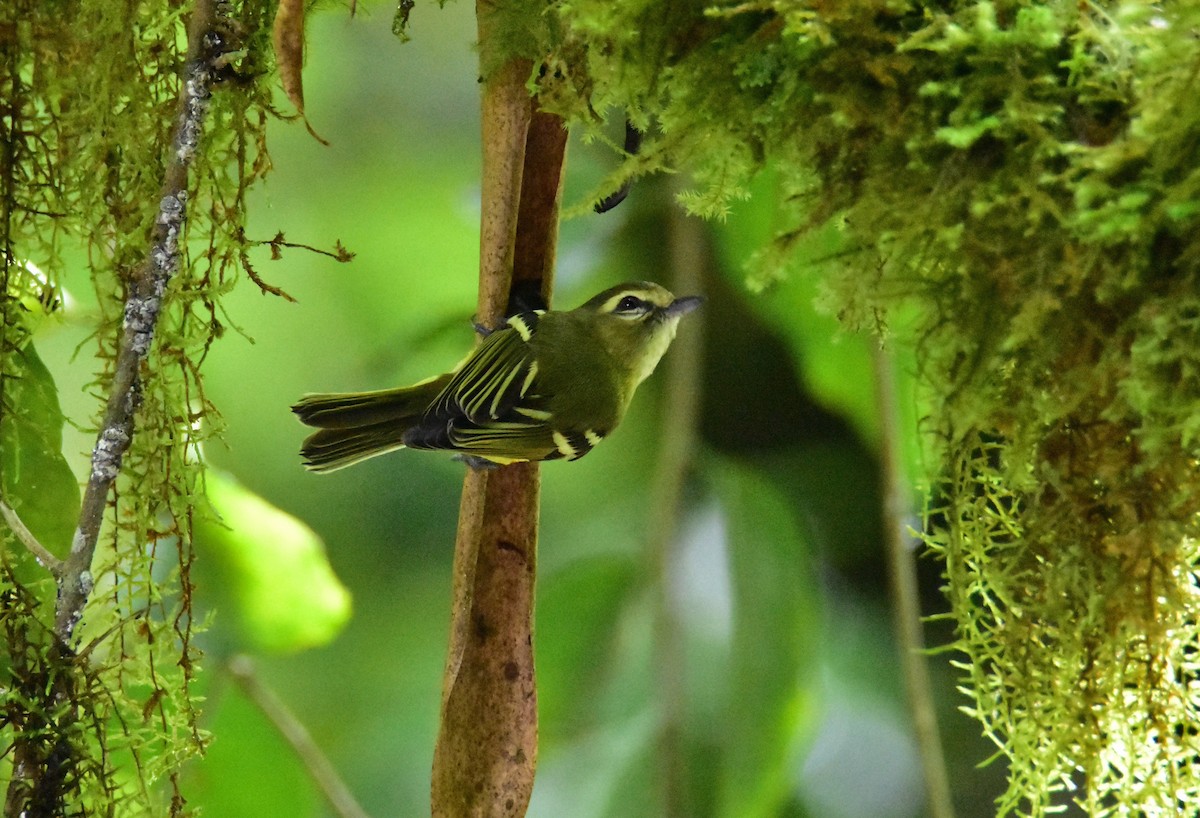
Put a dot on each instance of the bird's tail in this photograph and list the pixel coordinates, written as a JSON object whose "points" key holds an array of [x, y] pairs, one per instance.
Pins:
{"points": [[356, 425]]}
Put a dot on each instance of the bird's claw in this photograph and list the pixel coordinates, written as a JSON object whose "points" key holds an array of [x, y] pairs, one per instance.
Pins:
{"points": [[477, 463]]}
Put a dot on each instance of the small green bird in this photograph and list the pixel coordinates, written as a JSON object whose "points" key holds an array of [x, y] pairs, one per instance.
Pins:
{"points": [[545, 385]]}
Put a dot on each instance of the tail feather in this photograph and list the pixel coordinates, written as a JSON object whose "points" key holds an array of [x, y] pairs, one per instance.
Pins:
{"points": [[348, 410], [356, 425], [331, 449]]}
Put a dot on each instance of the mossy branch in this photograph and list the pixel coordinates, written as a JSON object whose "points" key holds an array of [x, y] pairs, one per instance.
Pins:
{"points": [[104, 140], [1029, 171], [51, 745], [142, 307]]}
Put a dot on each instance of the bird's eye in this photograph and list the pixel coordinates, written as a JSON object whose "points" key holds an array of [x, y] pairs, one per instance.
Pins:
{"points": [[630, 303]]}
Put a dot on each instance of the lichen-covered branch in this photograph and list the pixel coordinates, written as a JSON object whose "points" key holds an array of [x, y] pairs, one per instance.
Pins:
{"points": [[114, 147], [142, 307], [50, 749]]}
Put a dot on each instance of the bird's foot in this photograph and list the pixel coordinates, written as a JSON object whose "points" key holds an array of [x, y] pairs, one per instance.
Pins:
{"points": [[477, 463]]}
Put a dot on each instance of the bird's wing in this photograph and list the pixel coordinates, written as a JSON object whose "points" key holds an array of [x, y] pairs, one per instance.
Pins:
{"points": [[494, 377], [493, 408], [522, 438], [504, 441]]}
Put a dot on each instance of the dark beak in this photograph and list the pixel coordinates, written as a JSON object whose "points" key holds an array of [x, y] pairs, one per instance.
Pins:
{"points": [[682, 306]]}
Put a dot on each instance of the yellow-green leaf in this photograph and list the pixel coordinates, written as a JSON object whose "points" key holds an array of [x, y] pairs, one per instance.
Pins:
{"points": [[267, 570]]}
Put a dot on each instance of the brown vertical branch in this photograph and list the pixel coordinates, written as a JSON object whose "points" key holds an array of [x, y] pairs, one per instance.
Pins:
{"points": [[486, 752], [506, 112], [541, 193]]}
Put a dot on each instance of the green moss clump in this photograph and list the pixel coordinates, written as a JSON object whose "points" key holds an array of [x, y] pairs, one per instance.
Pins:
{"points": [[1027, 175]]}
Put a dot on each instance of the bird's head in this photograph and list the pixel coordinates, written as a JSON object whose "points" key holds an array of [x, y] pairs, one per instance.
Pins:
{"points": [[636, 322]]}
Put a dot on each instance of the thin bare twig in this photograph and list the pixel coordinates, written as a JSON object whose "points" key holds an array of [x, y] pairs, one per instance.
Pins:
{"points": [[267, 289], [677, 440], [142, 307], [24, 536], [897, 508], [322, 772], [339, 252]]}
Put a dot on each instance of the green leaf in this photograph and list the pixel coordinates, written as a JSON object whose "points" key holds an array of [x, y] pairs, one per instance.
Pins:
{"points": [[773, 655], [34, 477], [268, 570]]}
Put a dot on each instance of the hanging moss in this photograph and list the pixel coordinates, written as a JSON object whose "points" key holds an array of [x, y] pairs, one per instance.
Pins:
{"points": [[91, 94], [1028, 176]]}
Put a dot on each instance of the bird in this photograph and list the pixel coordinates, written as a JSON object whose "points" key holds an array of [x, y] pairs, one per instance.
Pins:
{"points": [[545, 385]]}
